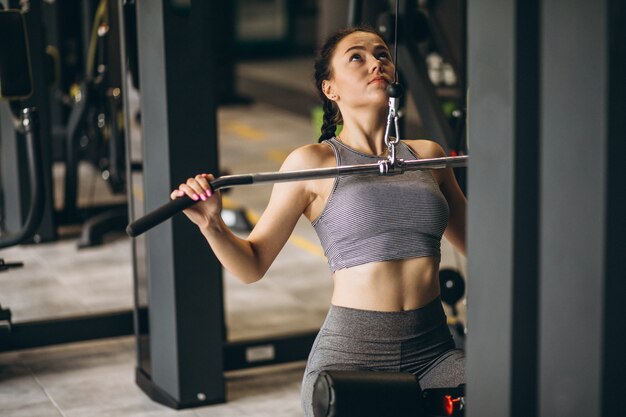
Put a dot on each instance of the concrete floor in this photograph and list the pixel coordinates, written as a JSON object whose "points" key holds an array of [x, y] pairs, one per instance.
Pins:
{"points": [[96, 378]]}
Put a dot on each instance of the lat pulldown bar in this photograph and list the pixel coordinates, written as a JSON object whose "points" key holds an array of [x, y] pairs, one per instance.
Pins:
{"points": [[383, 167]]}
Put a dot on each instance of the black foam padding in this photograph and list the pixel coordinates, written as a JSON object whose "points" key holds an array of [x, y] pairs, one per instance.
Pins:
{"points": [[366, 394]]}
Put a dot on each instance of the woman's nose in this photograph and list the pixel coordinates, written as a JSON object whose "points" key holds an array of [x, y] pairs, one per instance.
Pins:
{"points": [[377, 65]]}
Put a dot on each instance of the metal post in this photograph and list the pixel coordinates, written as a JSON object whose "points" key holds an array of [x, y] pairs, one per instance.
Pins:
{"points": [[183, 366], [582, 208], [614, 361], [503, 204]]}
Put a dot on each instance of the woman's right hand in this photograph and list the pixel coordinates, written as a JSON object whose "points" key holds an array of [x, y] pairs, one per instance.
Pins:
{"points": [[209, 206]]}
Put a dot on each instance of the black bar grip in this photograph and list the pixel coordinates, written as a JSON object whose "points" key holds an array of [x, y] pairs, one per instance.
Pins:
{"points": [[161, 214], [158, 216]]}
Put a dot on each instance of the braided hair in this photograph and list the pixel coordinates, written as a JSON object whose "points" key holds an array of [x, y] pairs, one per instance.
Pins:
{"points": [[323, 71]]}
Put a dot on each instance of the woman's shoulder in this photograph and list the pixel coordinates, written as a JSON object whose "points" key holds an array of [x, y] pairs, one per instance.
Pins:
{"points": [[318, 155], [426, 148]]}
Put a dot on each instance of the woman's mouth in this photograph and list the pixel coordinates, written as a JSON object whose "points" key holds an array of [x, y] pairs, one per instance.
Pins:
{"points": [[378, 80]]}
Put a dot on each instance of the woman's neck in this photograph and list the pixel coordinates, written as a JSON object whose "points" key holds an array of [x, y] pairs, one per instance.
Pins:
{"points": [[364, 131]]}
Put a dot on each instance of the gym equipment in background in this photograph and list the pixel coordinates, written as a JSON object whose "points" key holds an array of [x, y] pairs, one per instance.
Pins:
{"points": [[452, 286], [15, 85], [24, 180], [95, 127]]}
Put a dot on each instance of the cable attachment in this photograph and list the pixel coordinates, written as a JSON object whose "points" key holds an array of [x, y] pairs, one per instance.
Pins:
{"points": [[385, 167], [394, 91]]}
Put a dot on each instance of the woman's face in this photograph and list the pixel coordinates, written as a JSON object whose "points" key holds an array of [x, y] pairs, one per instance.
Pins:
{"points": [[362, 69]]}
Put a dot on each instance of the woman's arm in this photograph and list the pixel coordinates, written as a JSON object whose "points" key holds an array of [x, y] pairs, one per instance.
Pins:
{"points": [[249, 259], [455, 232]]}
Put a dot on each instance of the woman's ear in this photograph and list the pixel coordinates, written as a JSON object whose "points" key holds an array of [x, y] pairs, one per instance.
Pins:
{"points": [[329, 90]]}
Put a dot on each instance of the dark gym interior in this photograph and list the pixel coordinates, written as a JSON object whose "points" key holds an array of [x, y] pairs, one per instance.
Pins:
{"points": [[107, 105]]}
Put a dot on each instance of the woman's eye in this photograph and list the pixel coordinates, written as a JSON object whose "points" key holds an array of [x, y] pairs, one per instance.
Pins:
{"points": [[383, 55], [355, 57]]}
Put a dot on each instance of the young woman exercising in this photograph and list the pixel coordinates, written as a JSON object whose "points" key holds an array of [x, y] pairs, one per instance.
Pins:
{"points": [[381, 235]]}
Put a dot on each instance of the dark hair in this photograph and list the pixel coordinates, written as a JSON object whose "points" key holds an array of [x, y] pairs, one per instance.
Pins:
{"points": [[323, 71]]}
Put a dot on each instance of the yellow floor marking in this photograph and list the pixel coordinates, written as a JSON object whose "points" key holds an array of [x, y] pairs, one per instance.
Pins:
{"points": [[304, 244], [276, 155], [229, 203], [244, 131], [296, 240]]}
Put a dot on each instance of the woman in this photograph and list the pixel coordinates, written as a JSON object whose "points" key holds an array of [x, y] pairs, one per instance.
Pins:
{"points": [[381, 235]]}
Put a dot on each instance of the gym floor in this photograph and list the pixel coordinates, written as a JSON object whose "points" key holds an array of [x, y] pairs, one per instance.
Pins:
{"points": [[96, 378]]}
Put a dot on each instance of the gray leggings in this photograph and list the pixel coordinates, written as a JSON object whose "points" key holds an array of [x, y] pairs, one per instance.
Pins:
{"points": [[415, 341]]}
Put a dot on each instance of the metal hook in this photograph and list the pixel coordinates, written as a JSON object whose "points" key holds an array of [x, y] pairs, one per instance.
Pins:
{"points": [[395, 92]]}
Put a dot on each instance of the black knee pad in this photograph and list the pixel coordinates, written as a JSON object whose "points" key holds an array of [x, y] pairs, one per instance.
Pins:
{"points": [[366, 394], [376, 394]]}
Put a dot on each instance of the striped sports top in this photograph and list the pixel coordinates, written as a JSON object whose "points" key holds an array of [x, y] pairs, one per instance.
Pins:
{"points": [[379, 218]]}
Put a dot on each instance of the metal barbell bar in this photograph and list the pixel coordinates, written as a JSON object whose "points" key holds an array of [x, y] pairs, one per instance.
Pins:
{"points": [[382, 167]]}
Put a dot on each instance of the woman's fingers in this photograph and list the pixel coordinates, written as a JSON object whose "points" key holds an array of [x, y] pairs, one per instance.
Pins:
{"points": [[176, 194], [190, 192], [204, 181], [197, 188]]}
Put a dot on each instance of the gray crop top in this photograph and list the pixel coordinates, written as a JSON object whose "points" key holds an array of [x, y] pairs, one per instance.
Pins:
{"points": [[378, 218]]}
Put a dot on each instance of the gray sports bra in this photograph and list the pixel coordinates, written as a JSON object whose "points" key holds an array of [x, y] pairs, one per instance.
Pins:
{"points": [[379, 218]]}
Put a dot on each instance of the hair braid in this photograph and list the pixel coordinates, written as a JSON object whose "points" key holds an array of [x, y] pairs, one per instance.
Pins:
{"points": [[329, 125]]}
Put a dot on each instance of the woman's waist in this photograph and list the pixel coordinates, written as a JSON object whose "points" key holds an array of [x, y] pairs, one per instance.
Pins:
{"points": [[386, 325], [390, 286]]}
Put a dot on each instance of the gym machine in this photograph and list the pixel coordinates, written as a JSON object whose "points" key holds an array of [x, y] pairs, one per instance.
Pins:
{"points": [[76, 91], [25, 172], [14, 156], [15, 85], [94, 128]]}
